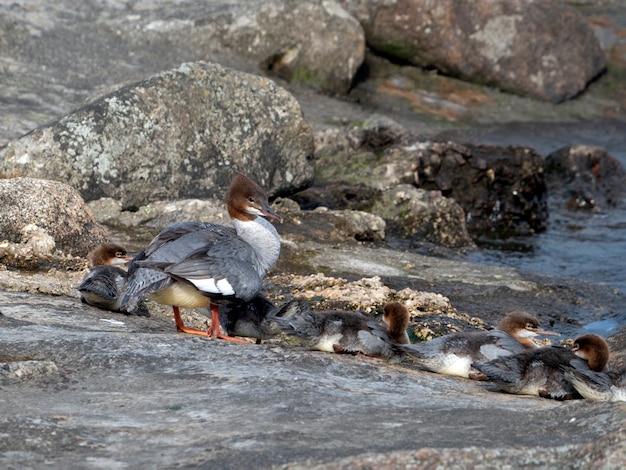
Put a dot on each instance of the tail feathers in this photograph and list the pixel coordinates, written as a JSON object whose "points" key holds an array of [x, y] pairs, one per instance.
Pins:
{"points": [[105, 288], [300, 324], [413, 351], [293, 307], [590, 384], [502, 370]]}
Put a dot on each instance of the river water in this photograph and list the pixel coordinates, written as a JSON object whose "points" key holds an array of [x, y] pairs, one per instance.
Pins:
{"points": [[588, 246]]}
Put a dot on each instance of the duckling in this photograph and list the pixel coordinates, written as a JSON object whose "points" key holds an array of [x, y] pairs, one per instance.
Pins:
{"points": [[254, 319], [347, 332], [104, 285], [396, 317], [454, 354], [541, 371]]}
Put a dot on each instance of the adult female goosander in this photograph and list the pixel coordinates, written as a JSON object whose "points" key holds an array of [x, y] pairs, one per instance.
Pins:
{"points": [[105, 284], [254, 319], [598, 386], [542, 371], [346, 332], [200, 265], [454, 354]]}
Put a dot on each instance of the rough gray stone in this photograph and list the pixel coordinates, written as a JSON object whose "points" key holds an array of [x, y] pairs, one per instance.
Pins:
{"points": [[315, 42], [181, 133], [39, 217], [545, 50], [131, 392], [422, 215]]}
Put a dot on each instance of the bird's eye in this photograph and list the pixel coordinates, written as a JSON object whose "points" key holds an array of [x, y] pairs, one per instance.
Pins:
{"points": [[119, 254], [530, 326], [251, 199]]}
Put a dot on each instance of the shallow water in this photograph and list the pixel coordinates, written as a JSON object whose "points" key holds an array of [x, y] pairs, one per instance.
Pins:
{"points": [[586, 246]]}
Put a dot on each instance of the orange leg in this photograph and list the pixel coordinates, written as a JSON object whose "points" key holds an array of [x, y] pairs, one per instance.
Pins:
{"points": [[180, 326], [212, 332], [214, 329]]}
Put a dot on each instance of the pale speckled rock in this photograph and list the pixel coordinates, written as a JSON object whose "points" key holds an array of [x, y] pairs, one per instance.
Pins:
{"points": [[545, 50], [159, 214], [315, 42], [424, 216], [39, 217], [27, 370], [182, 133]]}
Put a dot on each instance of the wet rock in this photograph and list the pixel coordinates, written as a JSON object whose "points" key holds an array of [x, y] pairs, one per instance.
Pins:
{"points": [[179, 134], [45, 221], [328, 225], [420, 215], [137, 376], [585, 177], [337, 196], [502, 190], [544, 50]]}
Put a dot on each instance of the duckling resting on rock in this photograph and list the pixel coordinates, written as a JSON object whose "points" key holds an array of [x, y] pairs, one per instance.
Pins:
{"points": [[255, 319], [454, 354], [105, 284], [542, 371], [349, 332]]}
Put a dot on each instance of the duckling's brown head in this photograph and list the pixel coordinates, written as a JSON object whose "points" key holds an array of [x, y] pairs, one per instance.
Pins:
{"points": [[523, 327], [594, 349], [396, 316], [107, 255]]}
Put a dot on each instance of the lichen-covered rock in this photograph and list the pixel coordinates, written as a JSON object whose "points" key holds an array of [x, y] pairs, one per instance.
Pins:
{"points": [[40, 217], [422, 215], [182, 133], [545, 50], [585, 177], [158, 214]]}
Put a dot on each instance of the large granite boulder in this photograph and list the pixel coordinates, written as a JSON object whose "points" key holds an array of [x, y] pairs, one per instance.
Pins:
{"points": [[583, 177], [56, 56], [39, 218], [315, 42], [182, 133], [545, 50]]}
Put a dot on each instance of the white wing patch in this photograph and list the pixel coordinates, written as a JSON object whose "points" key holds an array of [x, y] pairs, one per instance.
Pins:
{"points": [[209, 285]]}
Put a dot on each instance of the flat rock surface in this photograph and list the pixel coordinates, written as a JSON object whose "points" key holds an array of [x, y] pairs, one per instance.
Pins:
{"points": [[131, 393]]}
